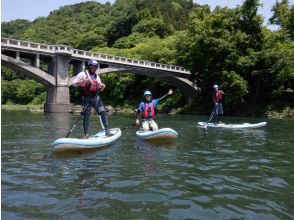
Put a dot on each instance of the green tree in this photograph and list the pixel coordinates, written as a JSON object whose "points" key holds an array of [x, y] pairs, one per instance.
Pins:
{"points": [[224, 47], [280, 53], [7, 92], [15, 28], [9, 74], [151, 27], [283, 15], [20, 91], [129, 41]]}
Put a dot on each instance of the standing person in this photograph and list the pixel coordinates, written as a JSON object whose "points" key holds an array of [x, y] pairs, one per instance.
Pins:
{"points": [[218, 108], [90, 85], [147, 109]]}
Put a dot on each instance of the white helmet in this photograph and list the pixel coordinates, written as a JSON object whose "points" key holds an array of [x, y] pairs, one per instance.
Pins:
{"points": [[147, 93]]}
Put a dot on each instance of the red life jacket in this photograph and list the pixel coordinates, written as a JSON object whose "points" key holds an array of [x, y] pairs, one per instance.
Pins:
{"points": [[90, 89], [218, 96], [149, 111]]}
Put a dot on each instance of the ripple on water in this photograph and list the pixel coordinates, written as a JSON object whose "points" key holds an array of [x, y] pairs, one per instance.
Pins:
{"points": [[205, 174], [123, 183], [23, 198]]}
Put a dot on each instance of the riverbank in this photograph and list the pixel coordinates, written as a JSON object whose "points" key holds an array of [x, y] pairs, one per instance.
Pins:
{"points": [[75, 109], [287, 113], [31, 108]]}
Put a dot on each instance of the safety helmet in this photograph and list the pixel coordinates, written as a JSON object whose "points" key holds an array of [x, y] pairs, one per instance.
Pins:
{"points": [[215, 86], [147, 93], [93, 62]]}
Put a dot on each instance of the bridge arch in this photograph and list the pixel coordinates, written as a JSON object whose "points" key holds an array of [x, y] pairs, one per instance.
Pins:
{"points": [[184, 85], [30, 71]]}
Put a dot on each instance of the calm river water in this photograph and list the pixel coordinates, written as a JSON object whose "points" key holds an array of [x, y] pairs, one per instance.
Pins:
{"points": [[205, 174]]}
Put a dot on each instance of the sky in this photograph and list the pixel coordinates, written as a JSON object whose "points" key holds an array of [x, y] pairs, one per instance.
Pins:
{"points": [[31, 9]]}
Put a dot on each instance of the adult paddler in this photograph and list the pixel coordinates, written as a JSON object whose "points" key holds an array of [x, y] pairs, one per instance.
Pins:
{"points": [[218, 107], [90, 85], [147, 109]]}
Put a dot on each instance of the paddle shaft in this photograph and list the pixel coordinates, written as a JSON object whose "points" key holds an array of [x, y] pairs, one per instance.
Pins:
{"points": [[130, 126], [211, 115], [210, 118], [82, 113]]}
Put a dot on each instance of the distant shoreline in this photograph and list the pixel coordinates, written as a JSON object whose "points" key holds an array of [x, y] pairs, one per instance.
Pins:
{"points": [[285, 114]]}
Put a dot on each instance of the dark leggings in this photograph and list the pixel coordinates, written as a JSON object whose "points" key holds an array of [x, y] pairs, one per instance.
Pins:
{"points": [[95, 102]]}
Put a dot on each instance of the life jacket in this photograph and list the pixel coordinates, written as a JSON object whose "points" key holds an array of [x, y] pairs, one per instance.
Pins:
{"points": [[90, 88], [149, 111], [218, 96]]}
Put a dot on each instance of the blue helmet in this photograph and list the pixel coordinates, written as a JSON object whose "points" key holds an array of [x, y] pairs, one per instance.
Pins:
{"points": [[215, 86], [147, 93], [93, 62]]}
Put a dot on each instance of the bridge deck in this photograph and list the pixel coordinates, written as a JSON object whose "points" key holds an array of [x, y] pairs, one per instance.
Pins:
{"points": [[47, 49]]}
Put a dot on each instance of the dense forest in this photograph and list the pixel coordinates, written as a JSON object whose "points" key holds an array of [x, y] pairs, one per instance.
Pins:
{"points": [[231, 47]]}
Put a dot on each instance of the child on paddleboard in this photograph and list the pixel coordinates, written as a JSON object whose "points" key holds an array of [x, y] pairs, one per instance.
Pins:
{"points": [[147, 109]]}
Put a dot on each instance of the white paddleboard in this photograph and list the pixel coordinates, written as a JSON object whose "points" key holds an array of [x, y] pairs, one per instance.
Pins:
{"points": [[232, 126], [94, 141], [160, 134]]}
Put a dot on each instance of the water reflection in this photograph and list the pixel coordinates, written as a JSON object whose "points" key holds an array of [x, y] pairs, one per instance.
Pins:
{"points": [[60, 123], [76, 154]]}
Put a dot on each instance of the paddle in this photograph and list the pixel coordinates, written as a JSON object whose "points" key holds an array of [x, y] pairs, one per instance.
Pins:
{"points": [[129, 126], [132, 124], [210, 118], [82, 113]]}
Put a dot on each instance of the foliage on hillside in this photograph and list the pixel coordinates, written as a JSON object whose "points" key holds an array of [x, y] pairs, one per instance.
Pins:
{"points": [[230, 47]]}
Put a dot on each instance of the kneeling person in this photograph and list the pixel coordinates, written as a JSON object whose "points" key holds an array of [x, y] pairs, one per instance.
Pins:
{"points": [[147, 109]]}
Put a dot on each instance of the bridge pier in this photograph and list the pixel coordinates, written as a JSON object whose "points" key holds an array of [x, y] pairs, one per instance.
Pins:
{"points": [[17, 56], [58, 96], [36, 61]]}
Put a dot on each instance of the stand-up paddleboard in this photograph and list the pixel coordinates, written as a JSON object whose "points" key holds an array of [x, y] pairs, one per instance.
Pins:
{"points": [[163, 134], [233, 126], [94, 141]]}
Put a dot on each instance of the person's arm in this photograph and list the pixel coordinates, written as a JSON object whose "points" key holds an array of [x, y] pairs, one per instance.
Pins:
{"points": [[138, 115], [100, 82], [80, 80], [169, 93], [213, 98]]}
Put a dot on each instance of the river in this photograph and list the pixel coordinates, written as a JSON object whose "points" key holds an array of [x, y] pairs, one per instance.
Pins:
{"points": [[206, 174]]}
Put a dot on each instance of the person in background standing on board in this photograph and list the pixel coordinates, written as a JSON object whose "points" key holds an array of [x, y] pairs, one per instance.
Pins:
{"points": [[147, 108], [218, 108], [90, 85]]}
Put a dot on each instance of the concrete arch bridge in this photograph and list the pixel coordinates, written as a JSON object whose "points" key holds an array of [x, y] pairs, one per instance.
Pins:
{"points": [[58, 59]]}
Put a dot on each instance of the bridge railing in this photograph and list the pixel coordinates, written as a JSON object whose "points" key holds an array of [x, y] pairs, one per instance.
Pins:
{"points": [[76, 53], [27, 45], [125, 60]]}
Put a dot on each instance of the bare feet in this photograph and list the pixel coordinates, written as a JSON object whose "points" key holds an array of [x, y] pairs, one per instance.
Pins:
{"points": [[86, 136], [108, 133]]}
